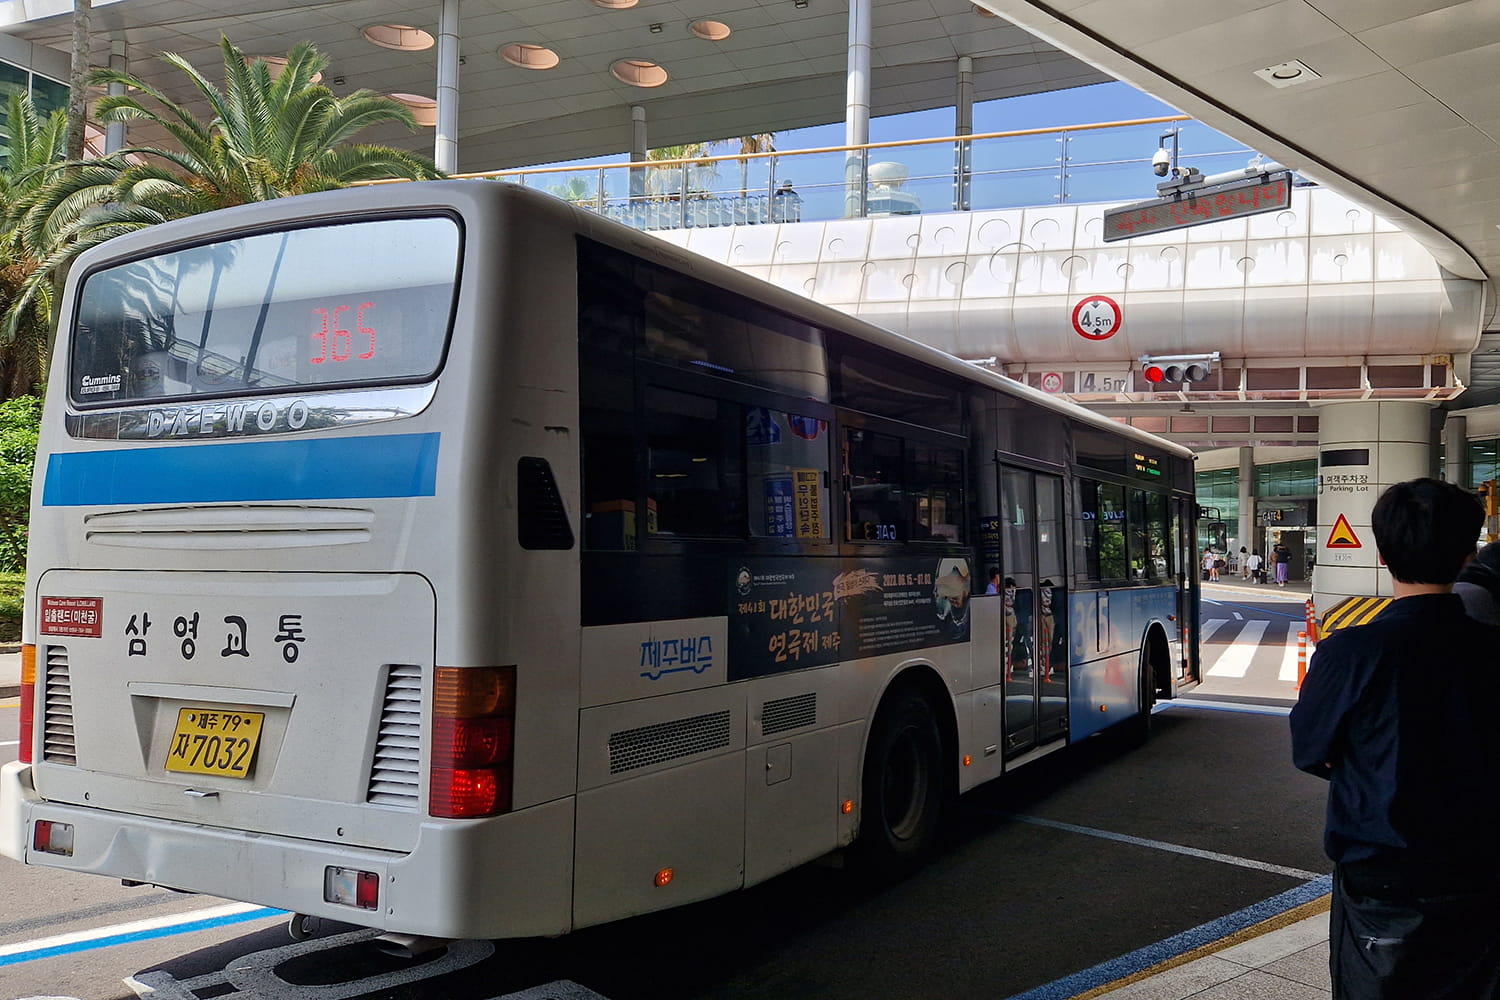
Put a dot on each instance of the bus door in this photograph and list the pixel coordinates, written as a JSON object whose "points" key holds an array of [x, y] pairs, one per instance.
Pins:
{"points": [[1184, 534], [1035, 647]]}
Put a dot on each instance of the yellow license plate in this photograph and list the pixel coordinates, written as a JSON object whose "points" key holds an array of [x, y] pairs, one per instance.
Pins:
{"points": [[215, 741]]}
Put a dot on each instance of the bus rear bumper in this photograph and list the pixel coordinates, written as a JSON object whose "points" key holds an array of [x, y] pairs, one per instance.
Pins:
{"points": [[508, 876]]}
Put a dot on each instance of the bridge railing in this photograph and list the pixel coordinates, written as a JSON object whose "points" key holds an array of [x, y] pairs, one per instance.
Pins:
{"points": [[1106, 161]]}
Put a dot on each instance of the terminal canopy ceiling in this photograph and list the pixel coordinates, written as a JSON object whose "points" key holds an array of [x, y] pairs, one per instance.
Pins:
{"points": [[1394, 103], [783, 65]]}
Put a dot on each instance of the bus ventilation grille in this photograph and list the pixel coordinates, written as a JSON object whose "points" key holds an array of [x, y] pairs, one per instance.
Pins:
{"points": [[634, 748], [785, 714], [396, 772], [58, 742]]}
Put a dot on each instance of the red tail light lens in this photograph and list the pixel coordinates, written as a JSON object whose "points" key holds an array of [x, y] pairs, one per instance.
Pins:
{"points": [[471, 742], [473, 727], [28, 701], [469, 791]]}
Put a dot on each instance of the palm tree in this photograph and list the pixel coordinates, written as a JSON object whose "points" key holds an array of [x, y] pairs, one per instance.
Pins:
{"points": [[666, 181], [78, 71], [760, 142], [575, 191], [269, 137], [34, 144]]}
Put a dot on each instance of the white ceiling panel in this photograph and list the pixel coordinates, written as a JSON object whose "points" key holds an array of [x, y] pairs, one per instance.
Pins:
{"points": [[781, 67], [1404, 121]]}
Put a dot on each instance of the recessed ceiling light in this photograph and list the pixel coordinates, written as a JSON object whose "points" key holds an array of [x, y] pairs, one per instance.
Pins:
{"points": [[639, 73], [1288, 74], [528, 56], [713, 31], [616, 4], [423, 109], [398, 36]]}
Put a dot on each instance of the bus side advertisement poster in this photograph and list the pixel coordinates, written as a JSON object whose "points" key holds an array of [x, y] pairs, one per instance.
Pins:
{"points": [[786, 614]]}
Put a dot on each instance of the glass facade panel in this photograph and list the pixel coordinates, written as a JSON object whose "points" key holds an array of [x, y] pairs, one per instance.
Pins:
{"points": [[1287, 479], [1484, 461], [48, 95], [1219, 494]]}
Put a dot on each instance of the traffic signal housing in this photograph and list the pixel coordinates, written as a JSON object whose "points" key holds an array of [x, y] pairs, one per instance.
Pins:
{"points": [[1173, 372]]}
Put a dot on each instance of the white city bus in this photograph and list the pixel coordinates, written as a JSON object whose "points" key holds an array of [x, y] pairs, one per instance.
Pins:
{"points": [[444, 559]]}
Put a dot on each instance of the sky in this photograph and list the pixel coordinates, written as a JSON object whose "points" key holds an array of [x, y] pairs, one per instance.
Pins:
{"points": [[1101, 102]]}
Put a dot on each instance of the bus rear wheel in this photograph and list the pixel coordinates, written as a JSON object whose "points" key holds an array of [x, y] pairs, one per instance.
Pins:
{"points": [[904, 788]]}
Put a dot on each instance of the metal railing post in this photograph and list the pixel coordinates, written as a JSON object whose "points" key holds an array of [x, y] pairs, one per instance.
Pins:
{"points": [[682, 190], [963, 165], [1062, 168]]}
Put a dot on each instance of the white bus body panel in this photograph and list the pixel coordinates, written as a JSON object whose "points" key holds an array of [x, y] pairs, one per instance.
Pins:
{"points": [[323, 697], [454, 883]]}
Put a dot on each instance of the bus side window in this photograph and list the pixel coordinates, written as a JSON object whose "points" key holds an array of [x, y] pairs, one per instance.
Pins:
{"points": [[786, 464], [1101, 530], [607, 426], [695, 475], [877, 507], [935, 479]]}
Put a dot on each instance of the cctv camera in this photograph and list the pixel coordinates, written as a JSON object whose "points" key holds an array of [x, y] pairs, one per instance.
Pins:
{"points": [[1161, 162]]}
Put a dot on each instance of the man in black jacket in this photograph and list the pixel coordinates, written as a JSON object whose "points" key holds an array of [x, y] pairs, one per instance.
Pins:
{"points": [[1399, 716]]}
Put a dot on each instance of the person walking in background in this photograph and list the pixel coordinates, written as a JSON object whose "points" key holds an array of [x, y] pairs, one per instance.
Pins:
{"points": [[1244, 563], [1283, 557], [1210, 564], [1478, 585], [1398, 716], [1257, 567]]}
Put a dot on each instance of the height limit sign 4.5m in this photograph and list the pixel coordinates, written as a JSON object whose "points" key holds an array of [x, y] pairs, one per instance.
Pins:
{"points": [[1097, 317]]}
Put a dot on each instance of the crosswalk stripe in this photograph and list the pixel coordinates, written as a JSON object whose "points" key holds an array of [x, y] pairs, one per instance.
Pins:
{"points": [[1235, 660], [1207, 629]]}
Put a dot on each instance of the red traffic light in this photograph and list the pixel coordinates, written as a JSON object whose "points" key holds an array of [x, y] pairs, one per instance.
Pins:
{"points": [[1162, 374]]}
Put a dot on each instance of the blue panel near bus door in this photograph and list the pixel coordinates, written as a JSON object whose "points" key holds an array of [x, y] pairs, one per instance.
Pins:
{"points": [[1108, 677], [391, 465]]}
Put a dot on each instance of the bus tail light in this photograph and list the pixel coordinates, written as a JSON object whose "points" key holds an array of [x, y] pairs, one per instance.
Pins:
{"points": [[28, 701], [350, 887], [52, 838], [471, 742], [473, 725]]}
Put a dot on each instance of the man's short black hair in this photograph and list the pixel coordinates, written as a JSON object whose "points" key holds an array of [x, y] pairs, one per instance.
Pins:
{"points": [[1425, 529]]}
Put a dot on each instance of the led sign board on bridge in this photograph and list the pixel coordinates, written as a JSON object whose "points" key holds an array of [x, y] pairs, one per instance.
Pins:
{"points": [[1197, 206]]}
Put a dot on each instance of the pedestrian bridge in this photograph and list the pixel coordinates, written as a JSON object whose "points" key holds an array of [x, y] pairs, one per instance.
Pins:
{"points": [[986, 248]]}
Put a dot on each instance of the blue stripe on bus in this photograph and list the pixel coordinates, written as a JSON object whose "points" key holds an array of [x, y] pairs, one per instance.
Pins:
{"points": [[392, 465]]}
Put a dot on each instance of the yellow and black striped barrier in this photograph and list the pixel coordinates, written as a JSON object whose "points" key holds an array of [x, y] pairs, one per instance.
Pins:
{"points": [[1352, 611]]}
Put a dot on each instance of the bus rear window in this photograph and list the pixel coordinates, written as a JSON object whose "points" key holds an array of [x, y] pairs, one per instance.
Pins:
{"points": [[329, 306]]}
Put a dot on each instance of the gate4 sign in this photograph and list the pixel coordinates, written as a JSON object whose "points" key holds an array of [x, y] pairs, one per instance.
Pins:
{"points": [[1342, 536], [1097, 317]]}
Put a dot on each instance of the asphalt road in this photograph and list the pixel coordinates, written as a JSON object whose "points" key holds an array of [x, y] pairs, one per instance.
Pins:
{"points": [[1087, 856]]}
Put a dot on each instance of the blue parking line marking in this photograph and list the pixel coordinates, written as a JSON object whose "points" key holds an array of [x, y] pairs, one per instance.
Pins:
{"points": [[111, 940], [1178, 944]]}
